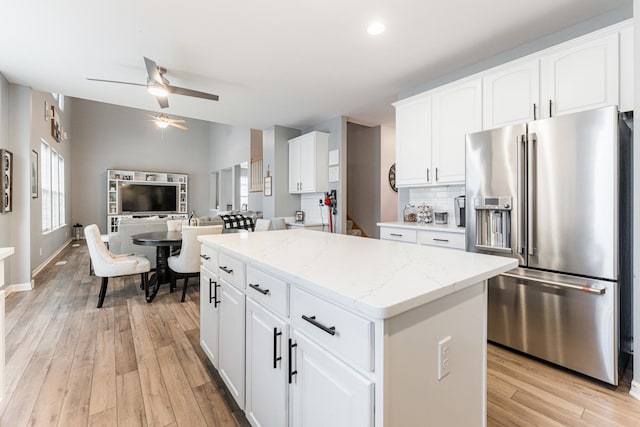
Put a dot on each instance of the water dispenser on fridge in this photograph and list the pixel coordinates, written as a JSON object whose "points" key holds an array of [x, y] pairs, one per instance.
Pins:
{"points": [[493, 224]]}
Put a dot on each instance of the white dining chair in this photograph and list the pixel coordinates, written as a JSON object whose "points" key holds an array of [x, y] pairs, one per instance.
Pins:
{"points": [[278, 224], [107, 264], [187, 263], [262, 225]]}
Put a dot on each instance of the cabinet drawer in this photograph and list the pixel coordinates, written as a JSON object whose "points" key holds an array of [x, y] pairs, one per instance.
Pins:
{"points": [[398, 234], [345, 334], [231, 269], [439, 238], [268, 290], [209, 258]]}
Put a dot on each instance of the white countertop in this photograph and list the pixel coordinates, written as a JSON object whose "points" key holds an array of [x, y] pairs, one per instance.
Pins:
{"points": [[376, 278], [450, 228], [5, 253]]}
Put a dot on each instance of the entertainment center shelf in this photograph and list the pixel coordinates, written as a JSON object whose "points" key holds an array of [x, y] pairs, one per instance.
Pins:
{"points": [[123, 182]]}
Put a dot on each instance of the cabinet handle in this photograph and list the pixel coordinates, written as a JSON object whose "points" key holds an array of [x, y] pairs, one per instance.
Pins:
{"points": [[535, 108], [276, 358], [441, 240], [205, 257], [550, 113], [395, 234], [226, 269], [259, 289], [291, 371], [215, 294], [331, 330], [436, 174], [212, 297], [428, 177]]}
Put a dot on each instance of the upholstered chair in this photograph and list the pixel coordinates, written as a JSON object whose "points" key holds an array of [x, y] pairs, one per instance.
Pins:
{"points": [[278, 224], [263, 224], [187, 263], [174, 225], [107, 264]]}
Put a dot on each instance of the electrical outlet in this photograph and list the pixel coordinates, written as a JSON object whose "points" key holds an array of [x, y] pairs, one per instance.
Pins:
{"points": [[444, 354], [321, 203]]}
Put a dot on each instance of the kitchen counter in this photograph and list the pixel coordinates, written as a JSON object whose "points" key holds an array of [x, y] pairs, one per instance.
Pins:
{"points": [[379, 279], [449, 228]]}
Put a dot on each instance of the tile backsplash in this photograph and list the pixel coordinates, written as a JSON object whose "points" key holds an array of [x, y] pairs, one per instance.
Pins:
{"points": [[440, 198], [313, 212]]}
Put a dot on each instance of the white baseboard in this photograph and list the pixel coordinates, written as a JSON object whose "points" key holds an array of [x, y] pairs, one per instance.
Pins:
{"points": [[635, 389], [19, 287], [39, 268]]}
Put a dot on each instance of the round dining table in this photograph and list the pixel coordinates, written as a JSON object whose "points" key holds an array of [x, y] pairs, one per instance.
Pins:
{"points": [[163, 241]]}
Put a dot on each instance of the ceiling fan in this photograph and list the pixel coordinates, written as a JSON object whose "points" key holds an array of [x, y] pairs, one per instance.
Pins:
{"points": [[163, 121], [158, 85]]}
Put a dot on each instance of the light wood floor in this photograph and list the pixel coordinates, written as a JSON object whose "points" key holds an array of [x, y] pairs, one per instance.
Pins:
{"points": [[136, 364]]}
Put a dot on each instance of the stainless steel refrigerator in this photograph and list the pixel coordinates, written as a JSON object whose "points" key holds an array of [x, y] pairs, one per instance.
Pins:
{"points": [[548, 193]]}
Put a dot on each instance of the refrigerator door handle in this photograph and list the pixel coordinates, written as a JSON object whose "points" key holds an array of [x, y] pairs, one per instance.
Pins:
{"points": [[521, 200], [551, 283], [531, 186]]}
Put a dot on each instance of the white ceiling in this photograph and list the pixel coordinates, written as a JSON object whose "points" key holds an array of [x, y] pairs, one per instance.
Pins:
{"points": [[288, 62]]}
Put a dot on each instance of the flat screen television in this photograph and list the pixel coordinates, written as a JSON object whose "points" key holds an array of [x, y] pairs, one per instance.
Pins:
{"points": [[148, 198]]}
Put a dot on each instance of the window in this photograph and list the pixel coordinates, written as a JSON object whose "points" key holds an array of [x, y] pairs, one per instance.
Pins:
{"points": [[52, 185]]}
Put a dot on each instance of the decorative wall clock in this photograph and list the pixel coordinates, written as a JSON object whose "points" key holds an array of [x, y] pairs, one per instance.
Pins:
{"points": [[392, 177]]}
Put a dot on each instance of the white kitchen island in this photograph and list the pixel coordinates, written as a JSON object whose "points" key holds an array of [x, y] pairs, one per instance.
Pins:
{"points": [[319, 329]]}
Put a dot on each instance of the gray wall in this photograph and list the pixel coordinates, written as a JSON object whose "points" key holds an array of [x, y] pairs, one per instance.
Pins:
{"points": [[363, 176], [337, 129], [5, 219], [636, 206], [388, 197], [45, 245], [106, 136], [275, 152]]}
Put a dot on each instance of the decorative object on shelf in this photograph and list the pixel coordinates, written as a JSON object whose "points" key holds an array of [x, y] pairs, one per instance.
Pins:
{"points": [[6, 180], [392, 177], [425, 214], [299, 216], [193, 219], [267, 185], [34, 174], [409, 213]]}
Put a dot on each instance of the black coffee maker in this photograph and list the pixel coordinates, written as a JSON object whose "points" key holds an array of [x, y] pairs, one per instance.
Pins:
{"points": [[458, 204]]}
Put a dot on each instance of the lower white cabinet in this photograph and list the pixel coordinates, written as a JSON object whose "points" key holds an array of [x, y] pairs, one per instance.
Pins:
{"points": [[325, 391], [443, 237], [232, 340], [209, 314], [266, 367]]}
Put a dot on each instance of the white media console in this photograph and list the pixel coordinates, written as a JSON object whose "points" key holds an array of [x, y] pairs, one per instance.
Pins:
{"points": [[121, 187]]}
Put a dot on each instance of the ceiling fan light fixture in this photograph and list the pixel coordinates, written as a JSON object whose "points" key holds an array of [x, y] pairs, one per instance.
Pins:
{"points": [[158, 90], [162, 124]]}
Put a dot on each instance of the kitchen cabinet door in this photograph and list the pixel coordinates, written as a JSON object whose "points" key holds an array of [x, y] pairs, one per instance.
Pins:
{"points": [[581, 77], [309, 163], [232, 340], [325, 391], [209, 314], [413, 142], [266, 367], [457, 110], [511, 95], [295, 149]]}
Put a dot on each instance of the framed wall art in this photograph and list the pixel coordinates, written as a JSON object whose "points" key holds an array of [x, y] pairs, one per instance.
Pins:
{"points": [[267, 186], [34, 174], [6, 180]]}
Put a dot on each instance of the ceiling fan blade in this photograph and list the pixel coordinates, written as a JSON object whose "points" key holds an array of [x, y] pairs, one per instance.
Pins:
{"points": [[163, 101], [152, 70], [178, 126], [190, 92], [177, 120], [115, 81]]}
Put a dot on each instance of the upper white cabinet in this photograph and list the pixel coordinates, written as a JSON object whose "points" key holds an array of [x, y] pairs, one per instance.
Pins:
{"points": [[430, 134], [413, 141], [309, 163], [457, 111], [581, 76], [511, 95]]}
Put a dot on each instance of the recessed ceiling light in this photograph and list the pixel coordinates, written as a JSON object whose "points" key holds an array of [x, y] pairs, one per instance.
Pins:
{"points": [[375, 28]]}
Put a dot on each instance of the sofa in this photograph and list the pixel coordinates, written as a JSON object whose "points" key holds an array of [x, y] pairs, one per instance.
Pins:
{"points": [[120, 242]]}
